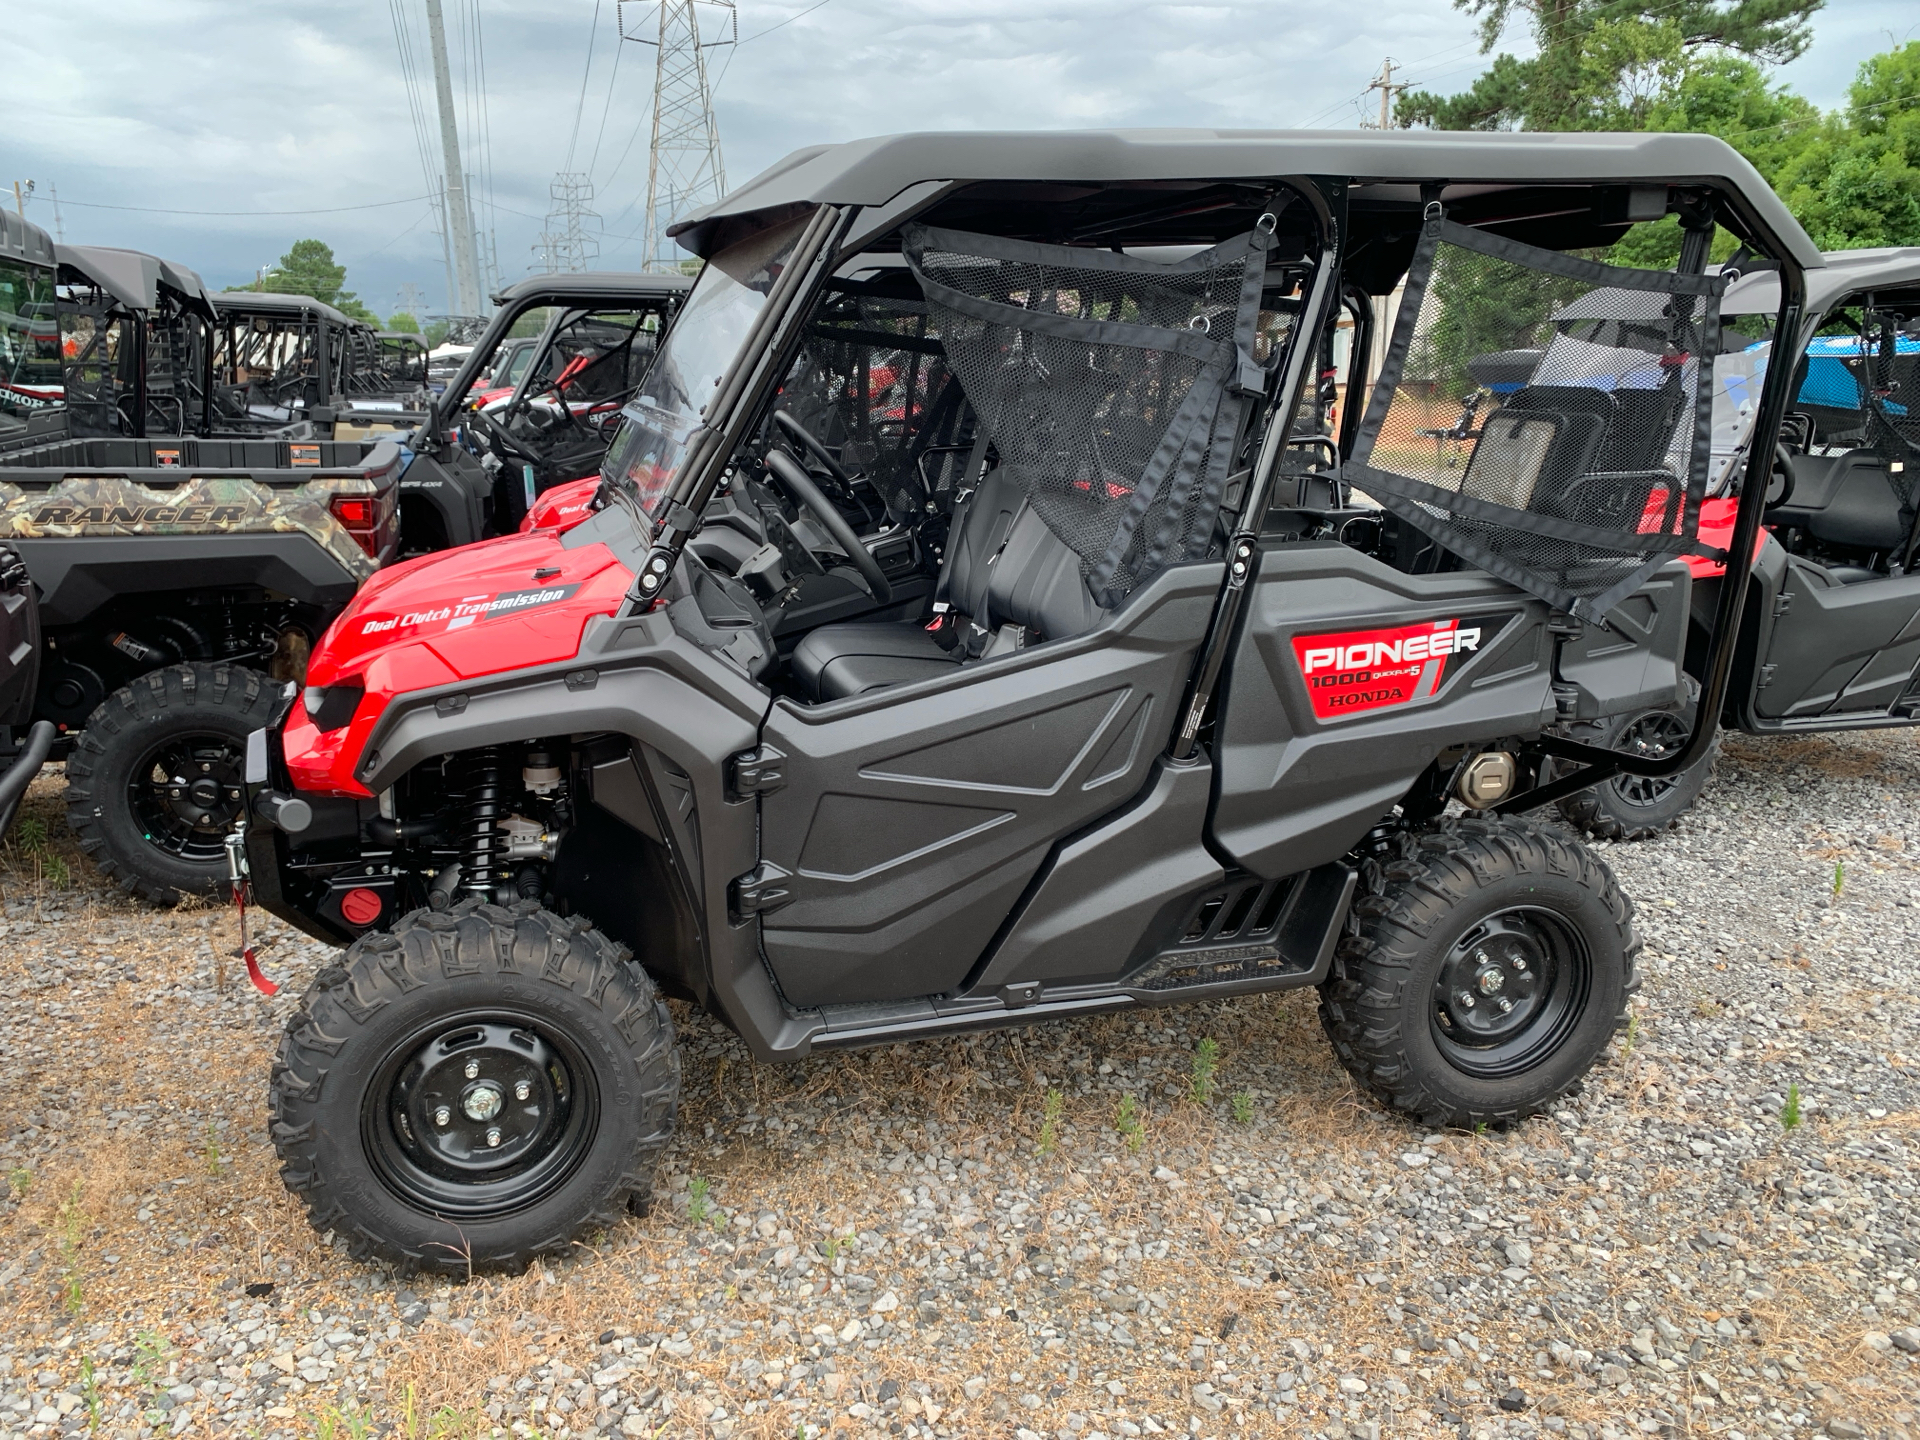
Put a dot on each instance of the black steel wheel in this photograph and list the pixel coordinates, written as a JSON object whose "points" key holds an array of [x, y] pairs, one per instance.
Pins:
{"points": [[186, 791], [1509, 990], [477, 1115], [1488, 962], [1637, 807], [477, 1087], [154, 782]]}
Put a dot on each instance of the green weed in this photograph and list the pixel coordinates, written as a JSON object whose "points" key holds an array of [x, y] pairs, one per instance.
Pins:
{"points": [[1127, 1122], [1206, 1059], [1050, 1121], [1790, 1112], [1839, 877], [1633, 1033], [90, 1392], [1243, 1107], [212, 1154], [31, 842], [698, 1211], [20, 1180], [337, 1423]]}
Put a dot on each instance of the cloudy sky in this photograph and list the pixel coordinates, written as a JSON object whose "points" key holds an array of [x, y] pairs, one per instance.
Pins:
{"points": [[173, 127]]}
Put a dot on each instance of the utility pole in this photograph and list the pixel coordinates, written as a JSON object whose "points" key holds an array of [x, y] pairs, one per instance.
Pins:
{"points": [[467, 300], [684, 168], [1383, 82], [19, 199], [59, 228]]}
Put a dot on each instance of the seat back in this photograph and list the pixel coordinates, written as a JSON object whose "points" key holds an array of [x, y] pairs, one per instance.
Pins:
{"points": [[986, 518], [1037, 583]]}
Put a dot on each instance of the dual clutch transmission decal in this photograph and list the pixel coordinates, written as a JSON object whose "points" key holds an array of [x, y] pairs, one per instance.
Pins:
{"points": [[1353, 671]]}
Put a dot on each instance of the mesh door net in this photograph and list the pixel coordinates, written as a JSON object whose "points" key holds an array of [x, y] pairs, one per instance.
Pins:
{"points": [[872, 384], [1111, 386], [1589, 474]]}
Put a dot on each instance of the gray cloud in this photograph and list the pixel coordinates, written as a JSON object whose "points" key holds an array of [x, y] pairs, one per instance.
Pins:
{"points": [[225, 105]]}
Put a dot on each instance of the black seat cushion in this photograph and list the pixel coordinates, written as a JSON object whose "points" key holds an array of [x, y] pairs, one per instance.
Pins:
{"points": [[836, 661]]}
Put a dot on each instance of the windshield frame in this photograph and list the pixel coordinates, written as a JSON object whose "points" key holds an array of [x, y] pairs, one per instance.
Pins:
{"points": [[778, 264]]}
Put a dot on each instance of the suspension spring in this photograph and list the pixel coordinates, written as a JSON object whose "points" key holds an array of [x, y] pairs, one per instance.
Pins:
{"points": [[480, 838]]}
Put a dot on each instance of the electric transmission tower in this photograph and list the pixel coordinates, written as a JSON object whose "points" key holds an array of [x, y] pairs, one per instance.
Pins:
{"points": [[684, 169], [410, 300], [566, 244]]}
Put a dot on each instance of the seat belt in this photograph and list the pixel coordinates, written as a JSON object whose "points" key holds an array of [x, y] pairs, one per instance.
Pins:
{"points": [[970, 479]]}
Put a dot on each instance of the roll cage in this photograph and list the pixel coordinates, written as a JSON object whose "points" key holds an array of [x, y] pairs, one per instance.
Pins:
{"points": [[1360, 236]]}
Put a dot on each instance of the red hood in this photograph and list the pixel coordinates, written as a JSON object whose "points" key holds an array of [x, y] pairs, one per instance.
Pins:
{"points": [[506, 604]]}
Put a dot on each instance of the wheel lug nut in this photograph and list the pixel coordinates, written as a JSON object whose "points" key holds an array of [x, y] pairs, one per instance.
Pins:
{"points": [[473, 1069], [493, 1136], [1519, 965], [443, 1116], [1505, 1004], [522, 1090], [1466, 1000]]}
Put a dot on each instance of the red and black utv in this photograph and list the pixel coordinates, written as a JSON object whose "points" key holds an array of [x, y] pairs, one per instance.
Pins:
{"points": [[969, 636]]}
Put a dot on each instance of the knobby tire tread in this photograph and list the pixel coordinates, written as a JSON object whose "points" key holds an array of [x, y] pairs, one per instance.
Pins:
{"points": [[425, 948], [1406, 895]]}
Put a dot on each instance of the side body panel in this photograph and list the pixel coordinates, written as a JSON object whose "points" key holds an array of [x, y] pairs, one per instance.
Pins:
{"points": [[19, 641], [912, 819], [1838, 649], [1635, 660], [1312, 751]]}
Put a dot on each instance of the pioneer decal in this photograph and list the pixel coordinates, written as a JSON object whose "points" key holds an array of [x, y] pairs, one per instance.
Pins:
{"points": [[459, 614], [1354, 671]]}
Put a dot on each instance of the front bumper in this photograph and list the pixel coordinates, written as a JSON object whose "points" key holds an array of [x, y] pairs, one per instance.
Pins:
{"points": [[278, 887]]}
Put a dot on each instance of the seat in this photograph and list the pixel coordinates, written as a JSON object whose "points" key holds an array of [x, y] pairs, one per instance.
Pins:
{"points": [[1005, 571]]}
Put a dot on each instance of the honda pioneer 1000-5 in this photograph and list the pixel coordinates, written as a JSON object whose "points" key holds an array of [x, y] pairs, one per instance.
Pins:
{"points": [[964, 641]]}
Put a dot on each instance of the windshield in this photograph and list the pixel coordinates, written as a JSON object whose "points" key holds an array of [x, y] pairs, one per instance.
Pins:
{"points": [[30, 377], [657, 427]]}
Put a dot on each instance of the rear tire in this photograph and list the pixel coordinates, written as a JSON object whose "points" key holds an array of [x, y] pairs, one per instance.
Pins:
{"points": [[1499, 909], [134, 772], [474, 1089], [1636, 807]]}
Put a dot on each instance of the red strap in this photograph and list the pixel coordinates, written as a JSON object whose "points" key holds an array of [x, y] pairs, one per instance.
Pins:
{"points": [[246, 952]]}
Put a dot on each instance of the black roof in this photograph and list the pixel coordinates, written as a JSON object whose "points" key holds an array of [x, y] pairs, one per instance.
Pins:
{"points": [[23, 240], [133, 277], [574, 286], [876, 171], [273, 302]]}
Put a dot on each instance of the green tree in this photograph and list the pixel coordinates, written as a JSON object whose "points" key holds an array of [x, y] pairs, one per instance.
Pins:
{"points": [[403, 321], [1604, 64], [308, 268], [1856, 180]]}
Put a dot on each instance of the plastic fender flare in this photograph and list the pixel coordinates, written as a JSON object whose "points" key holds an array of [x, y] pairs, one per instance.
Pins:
{"points": [[671, 696]]}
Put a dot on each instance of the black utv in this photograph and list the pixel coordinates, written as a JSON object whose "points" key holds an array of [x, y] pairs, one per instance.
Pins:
{"points": [[1104, 696], [523, 414]]}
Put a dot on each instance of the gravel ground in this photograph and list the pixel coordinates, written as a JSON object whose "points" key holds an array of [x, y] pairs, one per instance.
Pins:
{"points": [[1184, 1224]]}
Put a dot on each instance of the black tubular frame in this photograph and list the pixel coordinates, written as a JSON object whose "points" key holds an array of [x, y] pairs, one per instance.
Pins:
{"points": [[1243, 548], [1728, 612], [728, 420]]}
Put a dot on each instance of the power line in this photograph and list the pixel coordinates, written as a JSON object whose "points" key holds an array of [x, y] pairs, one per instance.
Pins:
{"points": [[593, 34], [230, 214]]}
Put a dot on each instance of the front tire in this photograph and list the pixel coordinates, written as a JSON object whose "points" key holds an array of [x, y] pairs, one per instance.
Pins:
{"points": [[156, 779], [474, 1089], [1459, 919]]}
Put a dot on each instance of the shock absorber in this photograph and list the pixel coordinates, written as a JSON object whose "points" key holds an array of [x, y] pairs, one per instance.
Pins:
{"points": [[480, 836]]}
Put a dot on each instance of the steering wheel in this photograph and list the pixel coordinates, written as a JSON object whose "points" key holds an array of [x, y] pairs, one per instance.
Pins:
{"points": [[809, 442], [1779, 476], [502, 437], [793, 478]]}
